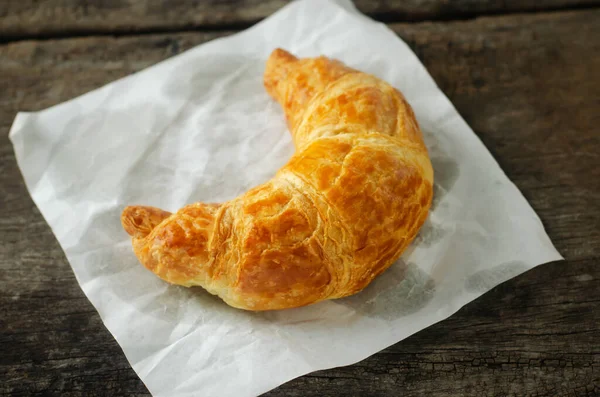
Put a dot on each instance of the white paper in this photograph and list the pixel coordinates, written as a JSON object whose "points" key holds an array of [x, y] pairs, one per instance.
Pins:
{"points": [[200, 127]]}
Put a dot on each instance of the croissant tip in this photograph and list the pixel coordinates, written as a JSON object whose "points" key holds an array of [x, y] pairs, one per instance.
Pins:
{"points": [[277, 68], [138, 221]]}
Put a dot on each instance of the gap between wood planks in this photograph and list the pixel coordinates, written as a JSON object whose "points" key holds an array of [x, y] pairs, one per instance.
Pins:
{"points": [[387, 18]]}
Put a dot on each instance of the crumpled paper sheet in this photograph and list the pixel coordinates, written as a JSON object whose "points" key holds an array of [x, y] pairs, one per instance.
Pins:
{"points": [[200, 126]]}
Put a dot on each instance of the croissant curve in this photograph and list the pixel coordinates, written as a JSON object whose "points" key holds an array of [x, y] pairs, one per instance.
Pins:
{"points": [[338, 214]]}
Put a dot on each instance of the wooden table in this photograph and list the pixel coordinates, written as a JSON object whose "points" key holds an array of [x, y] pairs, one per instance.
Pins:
{"points": [[524, 74]]}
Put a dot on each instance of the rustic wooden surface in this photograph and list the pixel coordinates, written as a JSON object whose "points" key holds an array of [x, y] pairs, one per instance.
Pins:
{"points": [[529, 85], [32, 18]]}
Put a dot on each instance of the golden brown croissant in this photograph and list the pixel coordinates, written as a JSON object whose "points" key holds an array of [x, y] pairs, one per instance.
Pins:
{"points": [[338, 214]]}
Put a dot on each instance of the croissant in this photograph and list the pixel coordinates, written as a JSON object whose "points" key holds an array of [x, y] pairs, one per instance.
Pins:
{"points": [[338, 214]]}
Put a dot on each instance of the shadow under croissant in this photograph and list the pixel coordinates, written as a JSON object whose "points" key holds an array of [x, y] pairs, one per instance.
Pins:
{"points": [[402, 290], [446, 173], [487, 279]]}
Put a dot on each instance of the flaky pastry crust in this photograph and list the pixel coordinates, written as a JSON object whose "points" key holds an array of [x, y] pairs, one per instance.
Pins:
{"points": [[337, 215]]}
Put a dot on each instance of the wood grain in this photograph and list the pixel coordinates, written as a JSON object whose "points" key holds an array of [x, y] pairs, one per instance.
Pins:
{"points": [[527, 84], [50, 18]]}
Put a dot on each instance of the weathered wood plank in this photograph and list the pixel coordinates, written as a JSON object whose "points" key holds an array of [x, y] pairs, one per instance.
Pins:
{"points": [[32, 18], [527, 85]]}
